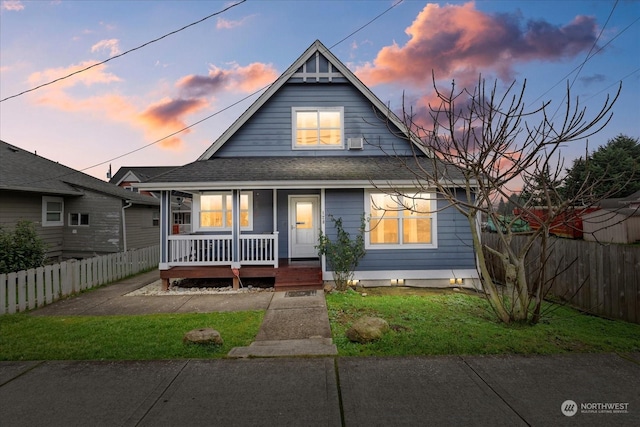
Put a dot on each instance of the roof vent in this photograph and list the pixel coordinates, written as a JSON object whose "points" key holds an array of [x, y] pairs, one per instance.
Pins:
{"points": [[355, 143]]}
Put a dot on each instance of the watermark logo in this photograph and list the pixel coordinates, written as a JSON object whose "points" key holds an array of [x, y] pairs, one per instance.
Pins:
{"points": [[569, 408]]}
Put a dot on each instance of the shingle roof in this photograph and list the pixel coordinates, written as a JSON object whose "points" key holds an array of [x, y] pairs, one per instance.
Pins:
{"points": [[21, 170], [297, 169], [144, 173]]}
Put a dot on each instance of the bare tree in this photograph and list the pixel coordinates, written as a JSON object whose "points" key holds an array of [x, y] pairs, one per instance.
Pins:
{"points": [[481, 146]]}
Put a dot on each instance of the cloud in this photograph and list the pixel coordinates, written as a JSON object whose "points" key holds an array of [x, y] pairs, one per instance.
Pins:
{"points": [[459, 41], [596, 78], [12, 5], [246, 79], [223, 24], [95, 75], [111, 45], [166, 117]]}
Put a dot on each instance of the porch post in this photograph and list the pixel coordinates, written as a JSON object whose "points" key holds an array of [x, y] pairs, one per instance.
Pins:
{"points": [[275, 227], [235, 229], [165, 226]]}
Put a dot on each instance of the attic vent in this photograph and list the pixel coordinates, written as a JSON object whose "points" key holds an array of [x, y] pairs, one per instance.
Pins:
{"points": [[355, 143]]}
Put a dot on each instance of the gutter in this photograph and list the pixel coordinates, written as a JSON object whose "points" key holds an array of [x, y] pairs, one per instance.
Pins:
{"points": [[124, 223]]}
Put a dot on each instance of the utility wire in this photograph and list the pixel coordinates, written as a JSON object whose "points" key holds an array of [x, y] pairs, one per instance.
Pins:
{"points": [[123, 53]]}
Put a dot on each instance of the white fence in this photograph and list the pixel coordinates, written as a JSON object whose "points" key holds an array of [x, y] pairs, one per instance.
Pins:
{"points": [[28, 289]]}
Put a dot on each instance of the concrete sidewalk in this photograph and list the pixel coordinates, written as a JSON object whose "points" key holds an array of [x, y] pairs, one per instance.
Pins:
{"points": [[325, 391]]}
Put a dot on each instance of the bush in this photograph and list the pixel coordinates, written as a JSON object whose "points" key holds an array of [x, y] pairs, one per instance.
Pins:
{"points": [[343, 254], [21, 249]]}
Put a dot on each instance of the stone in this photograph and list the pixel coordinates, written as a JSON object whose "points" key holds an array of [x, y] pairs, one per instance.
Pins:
{"points": [[203, 336], [328, 288], [367, 329]]}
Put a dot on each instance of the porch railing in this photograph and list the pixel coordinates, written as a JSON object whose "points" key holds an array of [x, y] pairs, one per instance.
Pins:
{"points": [[213, 250]]}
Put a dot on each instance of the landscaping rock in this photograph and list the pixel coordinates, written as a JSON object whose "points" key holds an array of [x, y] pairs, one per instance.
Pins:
{"points": [[203, 336], [367, 329]]}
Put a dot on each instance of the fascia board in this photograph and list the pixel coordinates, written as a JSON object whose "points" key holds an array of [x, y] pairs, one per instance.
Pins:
{"points": [[267, 185]]}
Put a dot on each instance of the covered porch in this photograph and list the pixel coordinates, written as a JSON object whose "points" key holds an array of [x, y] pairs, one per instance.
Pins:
{"points": [[235, 235]]}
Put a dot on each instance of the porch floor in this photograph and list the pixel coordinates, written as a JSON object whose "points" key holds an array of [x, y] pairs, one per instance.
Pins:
{"points": [[290, 274]]}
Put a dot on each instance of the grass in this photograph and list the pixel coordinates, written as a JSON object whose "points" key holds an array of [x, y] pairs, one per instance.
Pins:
{"points": [[147, 337], [427, 323]]}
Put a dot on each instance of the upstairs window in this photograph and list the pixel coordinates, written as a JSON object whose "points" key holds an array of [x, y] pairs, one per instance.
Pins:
{"points": [[318, 128]]}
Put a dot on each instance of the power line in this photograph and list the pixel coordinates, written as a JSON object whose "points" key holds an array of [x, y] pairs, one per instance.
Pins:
{"points": [[122, 54]]}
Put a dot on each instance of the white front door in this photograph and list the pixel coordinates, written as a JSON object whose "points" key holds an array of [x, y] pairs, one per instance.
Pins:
{"points": [[303, 226]]}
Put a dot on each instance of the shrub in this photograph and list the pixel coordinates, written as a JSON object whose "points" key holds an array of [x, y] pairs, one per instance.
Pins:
{"points": [[21, 249], [343, 254]]}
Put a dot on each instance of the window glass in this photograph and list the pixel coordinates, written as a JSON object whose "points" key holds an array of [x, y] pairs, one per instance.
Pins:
{"points": [[318, 128], [399, 220]]}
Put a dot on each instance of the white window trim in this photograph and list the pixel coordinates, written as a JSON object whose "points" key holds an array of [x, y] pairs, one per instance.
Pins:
{"points": [[400, 246], [196, 211], [79, 219], [294, 129], [45, 200]]}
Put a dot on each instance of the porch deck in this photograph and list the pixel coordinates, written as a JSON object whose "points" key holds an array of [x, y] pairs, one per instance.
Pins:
{"points": [[290, 274]]}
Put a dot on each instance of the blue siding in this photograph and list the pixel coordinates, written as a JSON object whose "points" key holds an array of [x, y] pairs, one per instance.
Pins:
{"points": [[454, 249], [268, 131]]}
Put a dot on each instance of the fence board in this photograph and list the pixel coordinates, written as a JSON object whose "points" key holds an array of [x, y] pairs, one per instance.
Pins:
{"points": [[24, 290], [611, 274], [3, 293]]}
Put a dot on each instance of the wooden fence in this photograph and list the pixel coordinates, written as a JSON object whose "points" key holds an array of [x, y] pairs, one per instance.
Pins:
{"points": [[600, 279], [28, 289]]}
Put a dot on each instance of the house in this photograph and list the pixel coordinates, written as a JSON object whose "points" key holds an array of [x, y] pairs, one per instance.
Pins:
{"points": [[315, 144], [126, 176], [77, 215], [617, 221]]}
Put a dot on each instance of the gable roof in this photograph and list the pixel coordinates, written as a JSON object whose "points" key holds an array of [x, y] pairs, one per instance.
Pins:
{"points": [[316, 47], [141, 173], [21, 170]]}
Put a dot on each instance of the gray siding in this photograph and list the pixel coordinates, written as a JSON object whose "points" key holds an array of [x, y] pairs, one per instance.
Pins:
{"points": [[268, 131], [141, 233], [104, 233], [17, 206], [454, 249]]}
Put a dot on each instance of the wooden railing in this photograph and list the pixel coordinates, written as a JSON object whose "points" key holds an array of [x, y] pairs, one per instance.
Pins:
{"points": [[213, 250]]}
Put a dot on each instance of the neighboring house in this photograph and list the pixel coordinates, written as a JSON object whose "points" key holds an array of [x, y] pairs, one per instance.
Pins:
{"points": [[127, 176], [77, 215], [313, 145], [618, 221]]}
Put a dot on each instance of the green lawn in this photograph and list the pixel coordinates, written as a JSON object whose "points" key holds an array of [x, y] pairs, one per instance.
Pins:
{"points": [[428, 323], [26, 337]]}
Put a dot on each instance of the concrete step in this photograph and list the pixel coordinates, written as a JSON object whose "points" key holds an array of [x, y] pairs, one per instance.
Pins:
{"points": [[283, 348]]}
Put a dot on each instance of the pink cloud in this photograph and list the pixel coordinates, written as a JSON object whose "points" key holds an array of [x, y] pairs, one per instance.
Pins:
{"points": [[111, 45], [459, 41], [246, 79], [95, 75], [12, 5], [166, 117], [224, 24]]}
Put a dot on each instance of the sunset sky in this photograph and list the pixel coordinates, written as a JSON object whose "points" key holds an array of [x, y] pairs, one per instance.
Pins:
{"points": [[214, 70]]}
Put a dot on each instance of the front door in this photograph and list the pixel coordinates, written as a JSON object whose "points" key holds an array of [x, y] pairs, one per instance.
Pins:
{"points": [[303, 226]]}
